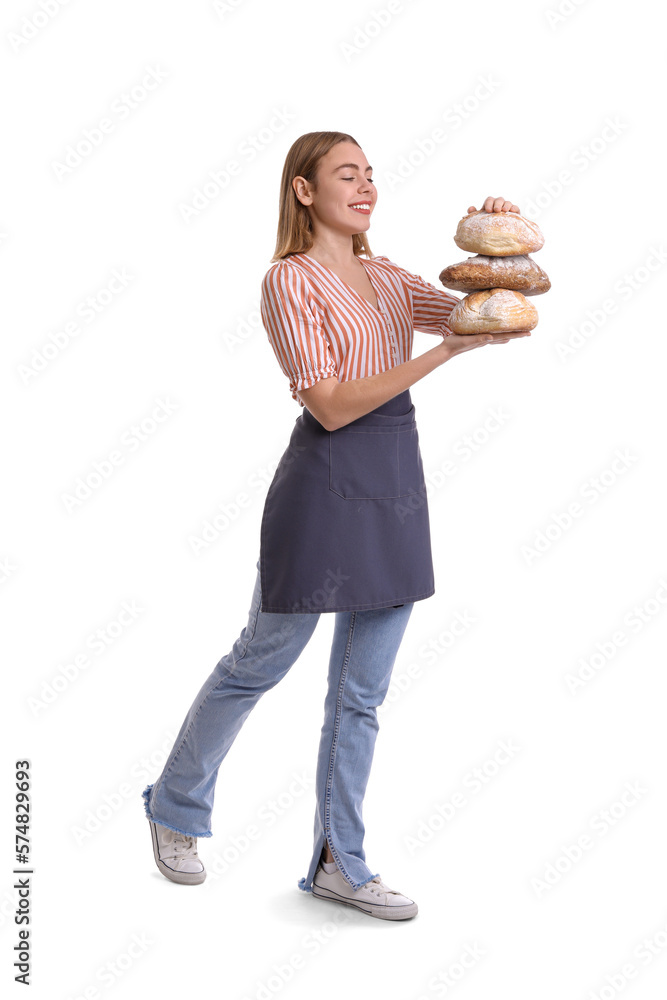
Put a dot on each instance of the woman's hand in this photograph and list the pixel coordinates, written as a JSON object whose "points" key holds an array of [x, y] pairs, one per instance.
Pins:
{"points": [[496, 205], [456, 343]]}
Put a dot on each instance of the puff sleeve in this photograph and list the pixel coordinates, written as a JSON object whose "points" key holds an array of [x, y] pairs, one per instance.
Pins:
{"points": [[294, 327]]}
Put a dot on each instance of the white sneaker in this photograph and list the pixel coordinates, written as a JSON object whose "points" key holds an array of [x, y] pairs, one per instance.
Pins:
{"points": [[176, 855], [374, 897]]}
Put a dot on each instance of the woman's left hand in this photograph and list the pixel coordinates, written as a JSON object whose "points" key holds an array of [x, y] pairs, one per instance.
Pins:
{"points": [[496, 205]]}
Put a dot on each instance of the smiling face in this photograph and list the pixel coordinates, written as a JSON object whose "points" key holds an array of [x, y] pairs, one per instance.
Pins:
{"points": [[344, 180]]}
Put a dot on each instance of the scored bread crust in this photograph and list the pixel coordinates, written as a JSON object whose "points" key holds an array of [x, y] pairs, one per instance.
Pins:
{"points": [[493, 310], [519, 273], [498, 234]]}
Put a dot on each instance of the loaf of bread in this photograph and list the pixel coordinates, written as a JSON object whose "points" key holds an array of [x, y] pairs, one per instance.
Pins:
{"points": [[494, 310], [519, 273], [498, 234]]}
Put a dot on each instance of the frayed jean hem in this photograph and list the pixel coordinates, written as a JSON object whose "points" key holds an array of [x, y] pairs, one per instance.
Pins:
{"points": [[302, 883], [187, 833]]}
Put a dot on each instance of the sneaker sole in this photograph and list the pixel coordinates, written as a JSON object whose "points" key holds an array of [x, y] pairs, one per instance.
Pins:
{"points": [[184, 878], [383, 912]]}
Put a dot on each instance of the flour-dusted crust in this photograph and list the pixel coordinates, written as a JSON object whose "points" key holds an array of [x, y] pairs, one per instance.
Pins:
{"points": [[498, 234], [494, 310], [519, 273]]}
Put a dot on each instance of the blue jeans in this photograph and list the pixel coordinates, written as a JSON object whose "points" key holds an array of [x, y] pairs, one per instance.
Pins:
{"points": [[363, 651]]}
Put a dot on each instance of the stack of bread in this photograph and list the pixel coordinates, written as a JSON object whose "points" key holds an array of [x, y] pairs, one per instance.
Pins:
{"points": [[499, 277]]}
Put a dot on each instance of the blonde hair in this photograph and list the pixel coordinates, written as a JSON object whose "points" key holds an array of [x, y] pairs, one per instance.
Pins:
{"points": [[295, 232]]}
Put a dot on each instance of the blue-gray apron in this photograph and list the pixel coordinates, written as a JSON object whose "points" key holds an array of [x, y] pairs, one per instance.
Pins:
{"points": [[345, 525]]}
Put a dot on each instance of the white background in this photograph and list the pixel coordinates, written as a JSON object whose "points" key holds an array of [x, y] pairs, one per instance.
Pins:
{"points": [[569, 125]]}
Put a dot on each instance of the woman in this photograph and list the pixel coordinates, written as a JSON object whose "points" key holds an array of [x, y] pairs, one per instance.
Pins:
{"points": [[345, 524]]}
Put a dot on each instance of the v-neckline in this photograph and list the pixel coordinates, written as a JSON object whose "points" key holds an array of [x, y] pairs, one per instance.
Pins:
{"points": [[377, 309]]}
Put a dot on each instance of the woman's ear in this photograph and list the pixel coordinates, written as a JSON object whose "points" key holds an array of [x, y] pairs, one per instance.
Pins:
{"points": [[302, 190]]}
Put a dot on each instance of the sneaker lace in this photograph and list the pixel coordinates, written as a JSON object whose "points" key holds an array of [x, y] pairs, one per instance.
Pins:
{"points": [[181, 845], [377, 886]]}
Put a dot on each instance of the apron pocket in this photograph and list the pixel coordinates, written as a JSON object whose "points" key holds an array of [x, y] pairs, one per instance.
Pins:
{"points": [[375, 463]]}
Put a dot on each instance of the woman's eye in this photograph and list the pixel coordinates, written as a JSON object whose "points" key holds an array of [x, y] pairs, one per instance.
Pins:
{"points": [[370, 179]]}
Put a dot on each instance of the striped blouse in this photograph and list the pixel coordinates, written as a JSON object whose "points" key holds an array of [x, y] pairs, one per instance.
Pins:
{"points": [[319, 326]]}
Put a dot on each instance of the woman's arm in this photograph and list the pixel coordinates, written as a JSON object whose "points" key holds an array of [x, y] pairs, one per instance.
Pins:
{"points": [[335, 404]]}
